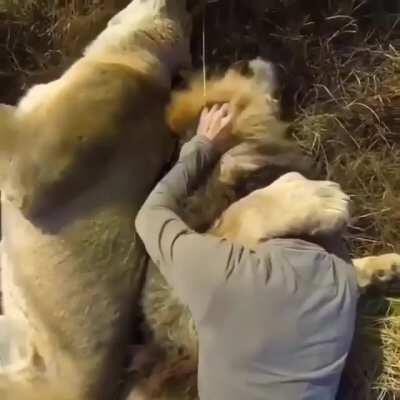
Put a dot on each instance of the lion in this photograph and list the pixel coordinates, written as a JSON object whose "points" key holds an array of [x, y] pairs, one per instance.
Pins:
{"points": [[73, 152], [236, 194]]}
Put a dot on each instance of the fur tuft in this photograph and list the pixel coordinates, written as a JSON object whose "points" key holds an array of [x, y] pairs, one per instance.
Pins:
{"points": [[256, 112]]}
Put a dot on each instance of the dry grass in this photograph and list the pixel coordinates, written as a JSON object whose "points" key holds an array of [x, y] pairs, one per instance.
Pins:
{"points": [[38, 38], [344, 74], [352, 124]]}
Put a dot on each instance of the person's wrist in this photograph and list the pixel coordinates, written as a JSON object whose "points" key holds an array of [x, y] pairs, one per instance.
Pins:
{"points": [[207, 143]]}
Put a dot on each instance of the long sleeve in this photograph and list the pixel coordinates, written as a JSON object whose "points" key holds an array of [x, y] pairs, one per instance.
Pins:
{"points": [[193, 264]]}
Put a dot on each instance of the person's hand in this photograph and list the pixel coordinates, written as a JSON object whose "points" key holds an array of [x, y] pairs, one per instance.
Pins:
{"points": [[216, 126]]}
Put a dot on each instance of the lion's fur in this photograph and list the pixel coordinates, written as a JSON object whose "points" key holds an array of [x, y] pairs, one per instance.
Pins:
{"points": [[75, 151], [256, 110]]}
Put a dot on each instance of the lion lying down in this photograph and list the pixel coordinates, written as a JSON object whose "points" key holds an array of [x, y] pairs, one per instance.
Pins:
{"points": [[262, 153]]}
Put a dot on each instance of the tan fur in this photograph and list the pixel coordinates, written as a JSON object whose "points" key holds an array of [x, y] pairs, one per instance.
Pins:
{"points": [[107, 105], [255, 109], [72, 267], [291, 205], [377, 269]]}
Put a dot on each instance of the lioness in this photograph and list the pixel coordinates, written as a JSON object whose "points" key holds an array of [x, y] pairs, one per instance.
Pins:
{"points": [[78, 156]]}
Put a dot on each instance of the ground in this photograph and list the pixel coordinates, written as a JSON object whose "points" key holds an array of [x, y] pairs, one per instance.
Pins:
{"points": [[340, 68]]}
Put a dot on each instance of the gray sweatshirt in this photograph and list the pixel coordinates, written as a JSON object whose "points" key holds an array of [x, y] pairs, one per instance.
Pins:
{"points": [[275, 323]]}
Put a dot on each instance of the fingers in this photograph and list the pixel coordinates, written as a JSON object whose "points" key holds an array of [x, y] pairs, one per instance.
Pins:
{"points": [[221, 117], [215, 117], [204, 120], [225, 110], [216, 125], [227, 115], [204, 114], [216, 111]]}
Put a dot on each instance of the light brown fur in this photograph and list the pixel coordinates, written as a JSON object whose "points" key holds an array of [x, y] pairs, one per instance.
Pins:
{"points": [[74, 153], [255, 109]]}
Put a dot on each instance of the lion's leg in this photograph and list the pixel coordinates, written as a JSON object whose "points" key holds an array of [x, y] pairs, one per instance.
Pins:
{"points": [[292, 205], [267, 213], [136, 10], [377, 269], [161, 26]]}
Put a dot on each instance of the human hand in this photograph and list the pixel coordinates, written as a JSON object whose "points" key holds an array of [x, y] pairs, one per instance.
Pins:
{"points": [[216, 126]]}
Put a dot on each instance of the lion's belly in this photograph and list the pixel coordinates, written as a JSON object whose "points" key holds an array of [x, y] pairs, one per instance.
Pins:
{"points": [[76, 284]]}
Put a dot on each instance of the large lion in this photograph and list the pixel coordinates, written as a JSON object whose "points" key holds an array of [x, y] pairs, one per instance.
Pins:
{"points": [[79, 155]]}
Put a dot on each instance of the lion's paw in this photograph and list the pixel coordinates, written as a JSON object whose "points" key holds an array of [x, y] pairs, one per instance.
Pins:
{"points": [[332, 209], [377, 269], [312, 207]]}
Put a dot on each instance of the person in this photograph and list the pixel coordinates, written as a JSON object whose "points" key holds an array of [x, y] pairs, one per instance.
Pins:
{"points": [[274, 323]]}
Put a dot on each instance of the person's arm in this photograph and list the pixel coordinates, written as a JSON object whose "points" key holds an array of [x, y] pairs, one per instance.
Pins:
{"points": [[193, 264]]}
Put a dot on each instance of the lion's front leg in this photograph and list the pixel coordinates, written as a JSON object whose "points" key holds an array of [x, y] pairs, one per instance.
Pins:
{"points": [[162, 27], [292, 205], [377, 269]]}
